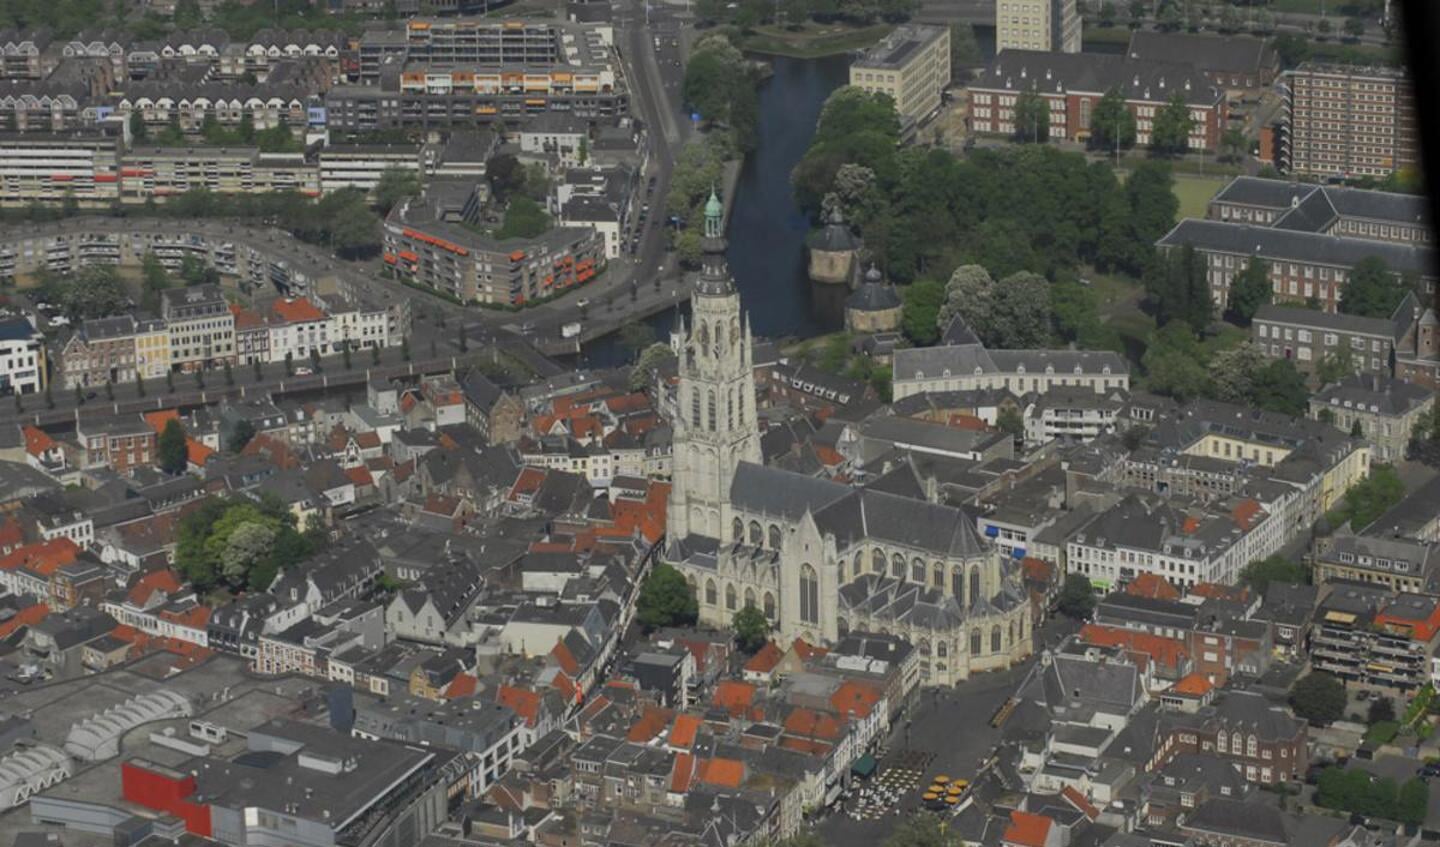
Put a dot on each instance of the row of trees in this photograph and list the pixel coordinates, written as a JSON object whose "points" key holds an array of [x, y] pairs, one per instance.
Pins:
{"points": [[925, 211], [748, 14], [1357, 790], [699, 169], [720, 86], [1177, 364]]}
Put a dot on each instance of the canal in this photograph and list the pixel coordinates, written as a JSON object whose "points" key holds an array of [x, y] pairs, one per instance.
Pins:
{"points": [[767, 230]]}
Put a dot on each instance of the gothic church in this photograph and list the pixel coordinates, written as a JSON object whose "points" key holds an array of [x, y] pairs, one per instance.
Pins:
{"points": [[820, 558]]}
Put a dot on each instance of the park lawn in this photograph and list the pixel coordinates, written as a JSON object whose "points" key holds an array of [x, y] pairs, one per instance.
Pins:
{"points": [[1194, 192], [813, 40]]}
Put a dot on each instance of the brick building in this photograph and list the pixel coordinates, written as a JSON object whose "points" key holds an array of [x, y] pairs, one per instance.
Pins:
{"points": [[1073, 83], [1261, 740]]}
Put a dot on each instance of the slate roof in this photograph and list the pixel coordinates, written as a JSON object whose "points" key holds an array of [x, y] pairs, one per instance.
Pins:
{"points": [[1136, 79], [1346, 202], [1280, 245], [1374, 393], [1230, 54]]}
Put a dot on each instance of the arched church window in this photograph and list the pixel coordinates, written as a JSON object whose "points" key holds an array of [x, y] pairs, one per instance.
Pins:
{"points": [[710, 597], [897, 566], [859, 564], [938, 575], [749, 598], [735, 332], [842, 626], [730, 597], [774, 537], [957, 583], [995, 639], [809, 595], [942, 649], [924, 647], [917, 571], [713, 421], [730, 408], [737, 530], [877, 561], [975, 641], [769, 605], [1012, 633], [756, 537], [703, 338], [974, 584], [695, 408]]}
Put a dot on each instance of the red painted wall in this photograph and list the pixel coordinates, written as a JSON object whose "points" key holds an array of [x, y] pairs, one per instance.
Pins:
{"points": [[165, 794]]}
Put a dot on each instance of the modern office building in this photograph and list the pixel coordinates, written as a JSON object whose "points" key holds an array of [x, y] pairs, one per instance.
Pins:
{"points": [[1037, 25], [912, 65], [1348, 121]]}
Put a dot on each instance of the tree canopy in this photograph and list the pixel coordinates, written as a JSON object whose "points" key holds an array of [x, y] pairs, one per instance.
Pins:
{"points": [[752, 629], [1077, 597], [1318, 698], [1369, 499], [239, 543], [524, 218], [171, 449], [666, 599], [1249, 290], [1372, 290], [920, 310], [720, 86], [1260, 573], [1014, 313]]}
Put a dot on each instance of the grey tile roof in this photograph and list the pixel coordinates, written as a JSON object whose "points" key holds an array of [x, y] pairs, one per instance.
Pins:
{"points": [[1374, 393], [1230, 54], [1290, 246], [1094, 73]]}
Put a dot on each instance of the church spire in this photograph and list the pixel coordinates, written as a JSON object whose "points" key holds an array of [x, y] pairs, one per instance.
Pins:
{"points": [[714, 273]]}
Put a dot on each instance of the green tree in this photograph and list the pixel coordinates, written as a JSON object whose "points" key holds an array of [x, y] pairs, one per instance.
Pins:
{"points": [[1318, 698], [139, 132], [505, 174], [964, 49], [1260, 573], [171, 449], [1171, 18], [1174, 363], [1336, 365], [1077, 597], [922, 829], [1173, 124], [315, 360], [395, 184], [649, 359], [1010, 422], [1324, 28], [94, 292], [920, 310], [240, 434], [1032, 117], [524, 218], [1412, 804], [635, 337], [1234, 142], [752, 629], [1369, 499], [1250, 290], [1279, 387], [1372, 291], [666, 600], [1108, 14], [1111, 123]]}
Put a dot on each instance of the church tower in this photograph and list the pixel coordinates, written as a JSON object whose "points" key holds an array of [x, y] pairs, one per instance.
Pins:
{"points": [[714, 420]]}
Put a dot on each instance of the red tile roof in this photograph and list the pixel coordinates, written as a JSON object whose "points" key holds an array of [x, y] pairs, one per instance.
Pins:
{"points": [[1167, 652], [12, 534], [1244, 513], [765, 659], [808, 723], [196, 453], [681, 773], [42, 557], [524, 702], [1153, 586], [855, 698], [565, 659], [36, 441], [567, 689], [1027, 830], [1081, 804], [158, 419], [297, 310], [1193, 685], [28, 616], [682, 734], [360, 476], [725, 772], [463, 685], [164, 580], [652, 722], [245, 318], [734, 696], [807, 651]]}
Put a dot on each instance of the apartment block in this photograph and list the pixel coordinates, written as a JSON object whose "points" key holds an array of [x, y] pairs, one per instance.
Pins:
{"points": [[1346, 121], [1037, 25], [84, 167], [1073, 83], [1372, 635], [427, 243], [912, 65], [160, 172], [22, 357]]}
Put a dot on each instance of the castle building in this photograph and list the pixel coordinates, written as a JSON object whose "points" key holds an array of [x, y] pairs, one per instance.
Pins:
{"points": [[819, 558]]}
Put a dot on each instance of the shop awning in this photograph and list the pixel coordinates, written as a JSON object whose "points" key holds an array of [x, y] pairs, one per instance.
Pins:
{"points": [[864, 766]]}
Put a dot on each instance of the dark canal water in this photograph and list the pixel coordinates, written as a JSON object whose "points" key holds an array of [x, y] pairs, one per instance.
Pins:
{"points": [[767, 231]]}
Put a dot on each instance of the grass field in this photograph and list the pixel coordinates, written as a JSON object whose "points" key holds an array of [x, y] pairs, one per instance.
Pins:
{"points": [[1194, 192], [813, 40]]}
